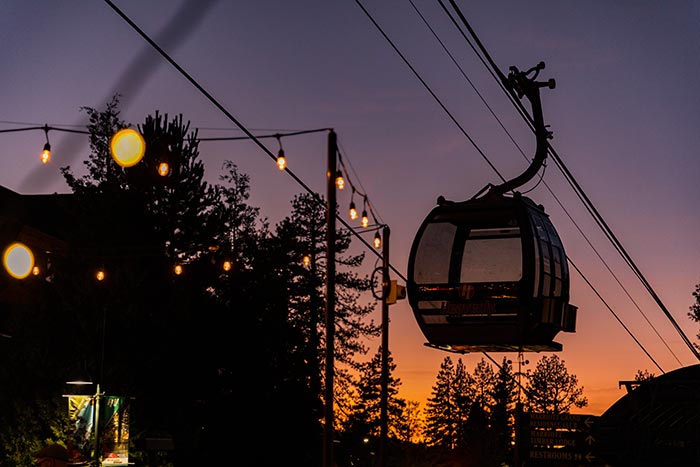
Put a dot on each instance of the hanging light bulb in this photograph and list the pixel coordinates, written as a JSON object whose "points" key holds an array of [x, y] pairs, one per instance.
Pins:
{"points": [[46, 153], [127, 147], [281, 160], [339, 180], [377, 240], [306, 261], [177, 269], [100, 275], [353, 210], [227, 266], [365, 220]]}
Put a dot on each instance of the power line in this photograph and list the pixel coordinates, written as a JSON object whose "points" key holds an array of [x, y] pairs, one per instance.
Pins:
{"points": [[427, 87], [233, 119], [579, 191], [470, 139], [500, 79]]}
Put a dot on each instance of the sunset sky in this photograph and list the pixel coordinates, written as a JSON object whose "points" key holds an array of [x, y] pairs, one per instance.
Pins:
{"points": [[625, 116]]}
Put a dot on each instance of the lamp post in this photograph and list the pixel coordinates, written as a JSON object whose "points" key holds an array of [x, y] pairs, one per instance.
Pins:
{"points": [[95, 416], [95, 399]]}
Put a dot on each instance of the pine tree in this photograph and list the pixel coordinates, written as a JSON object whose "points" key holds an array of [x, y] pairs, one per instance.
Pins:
{"points": [[411, 425], [464, 394], [363, 422], [551, 389], [442, 414], [176, 324], [303, 234], [504, 396]]}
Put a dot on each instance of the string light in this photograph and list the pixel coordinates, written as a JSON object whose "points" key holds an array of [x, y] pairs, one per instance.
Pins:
{"points": [[281, 160], [377, 240], [367, 210], [163, 169], [100, 275], [227, 266], [18, 260], [46, 153], [306, 261], [127, 147], [177, 269], [339, 180], [365, 220], [353, 209]]}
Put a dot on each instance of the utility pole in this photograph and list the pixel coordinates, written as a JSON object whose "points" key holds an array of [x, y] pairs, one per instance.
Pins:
{"points": [[330, 298], [384, 397]]}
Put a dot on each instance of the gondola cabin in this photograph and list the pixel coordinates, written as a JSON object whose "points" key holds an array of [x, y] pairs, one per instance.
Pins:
{"points": [[490, 274]]}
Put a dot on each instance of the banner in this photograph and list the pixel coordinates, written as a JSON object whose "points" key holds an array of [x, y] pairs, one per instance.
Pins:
{"points": [[112, 417]]}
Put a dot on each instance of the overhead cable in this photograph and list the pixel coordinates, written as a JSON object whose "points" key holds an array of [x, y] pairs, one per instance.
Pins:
{"points": [[579, 191], [499, 78], [236, 122]]}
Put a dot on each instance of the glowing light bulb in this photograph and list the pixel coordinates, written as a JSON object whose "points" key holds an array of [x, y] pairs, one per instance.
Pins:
{"points": [[177, 269], [306, 261], [353, 211], [18, 260], [365, 219], [227, 266], [100, 276], [35, 270], [46, 154], [163, 169], [339, 180], [281, 160], [127, 147], [377, 241]]}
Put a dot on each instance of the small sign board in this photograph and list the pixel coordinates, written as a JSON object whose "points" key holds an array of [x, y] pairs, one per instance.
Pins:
{"points": [[547, 439]]}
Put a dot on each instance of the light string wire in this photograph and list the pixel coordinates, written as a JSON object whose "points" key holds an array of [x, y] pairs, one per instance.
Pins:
{"points": [[236, 122]]}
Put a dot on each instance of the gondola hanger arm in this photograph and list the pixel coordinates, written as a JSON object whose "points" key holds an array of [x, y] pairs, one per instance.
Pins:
{"points": [[525, 84]]}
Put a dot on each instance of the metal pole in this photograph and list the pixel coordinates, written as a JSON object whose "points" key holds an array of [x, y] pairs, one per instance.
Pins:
{"points": [[384, 398], [96, 428], [330, 298]]}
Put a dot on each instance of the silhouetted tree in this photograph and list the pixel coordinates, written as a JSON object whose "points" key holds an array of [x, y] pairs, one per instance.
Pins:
{"points": [[303, 234], [504, 396], [411, 426], [695, 309], [208, 355], [443, 418], [643, 375], [464, 395], [362, 425], [551, 389]]}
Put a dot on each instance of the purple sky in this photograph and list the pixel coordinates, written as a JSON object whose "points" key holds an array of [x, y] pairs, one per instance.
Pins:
{"points": [[625, 119]]}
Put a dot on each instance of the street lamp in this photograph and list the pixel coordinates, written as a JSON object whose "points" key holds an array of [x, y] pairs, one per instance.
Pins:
{"points": [[84, 379]]}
